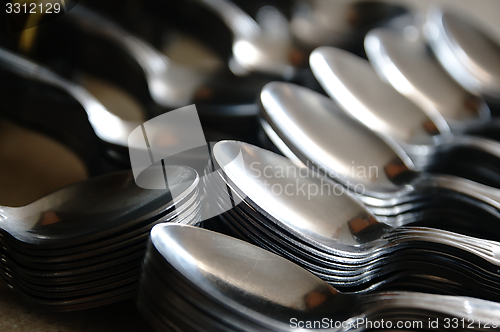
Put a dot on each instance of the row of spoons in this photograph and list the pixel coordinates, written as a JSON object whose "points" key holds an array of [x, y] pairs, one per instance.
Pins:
{"points": [[271, 38], [129, 56], [392, 136]]}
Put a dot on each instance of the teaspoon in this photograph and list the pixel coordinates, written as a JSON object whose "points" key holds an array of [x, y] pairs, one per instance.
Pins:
{"points": [[171, 85], [82, 245], [104, 201]]}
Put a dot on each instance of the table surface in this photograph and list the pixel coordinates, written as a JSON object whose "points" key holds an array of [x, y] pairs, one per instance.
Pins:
{"points": [[32, 165]]}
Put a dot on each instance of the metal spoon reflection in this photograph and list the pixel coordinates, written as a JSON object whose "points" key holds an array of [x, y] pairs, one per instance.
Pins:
{"points": [[94, 207]]}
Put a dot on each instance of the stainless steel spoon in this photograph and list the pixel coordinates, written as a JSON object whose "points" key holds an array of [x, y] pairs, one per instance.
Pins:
{"points": [[355, 85], [260, 177], [466, 49], [312, 130], [82, 246], [260, 288]]}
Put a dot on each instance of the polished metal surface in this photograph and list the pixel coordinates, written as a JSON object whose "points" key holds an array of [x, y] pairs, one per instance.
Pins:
{"points": [[385, 204], [356, 86], [285, 192], [231, 266], [347, 247], [465, 49], [103, 200], [262, 177]]}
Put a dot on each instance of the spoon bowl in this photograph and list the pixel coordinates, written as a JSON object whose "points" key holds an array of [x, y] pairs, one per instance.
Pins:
{"points": [[285, 209]]}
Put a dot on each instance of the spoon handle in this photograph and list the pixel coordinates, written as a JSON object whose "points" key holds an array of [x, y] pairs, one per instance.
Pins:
{"points": [[472, 310], [483, 193], [241, 24], [485, 249], [99, 117]]}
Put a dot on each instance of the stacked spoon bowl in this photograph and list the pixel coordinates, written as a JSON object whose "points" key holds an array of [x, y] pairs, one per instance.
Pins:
{"points": [[82, 246]]}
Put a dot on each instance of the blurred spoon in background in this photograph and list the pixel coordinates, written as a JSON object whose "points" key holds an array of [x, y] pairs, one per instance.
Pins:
{"points": [[70, 112], [466, 49], [263, 46], [409, 67], [341, 23]]}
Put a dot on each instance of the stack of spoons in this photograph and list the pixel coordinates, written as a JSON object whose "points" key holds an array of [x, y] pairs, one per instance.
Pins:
{"points": [[198, 280], [82, 246], [308, 219]]}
